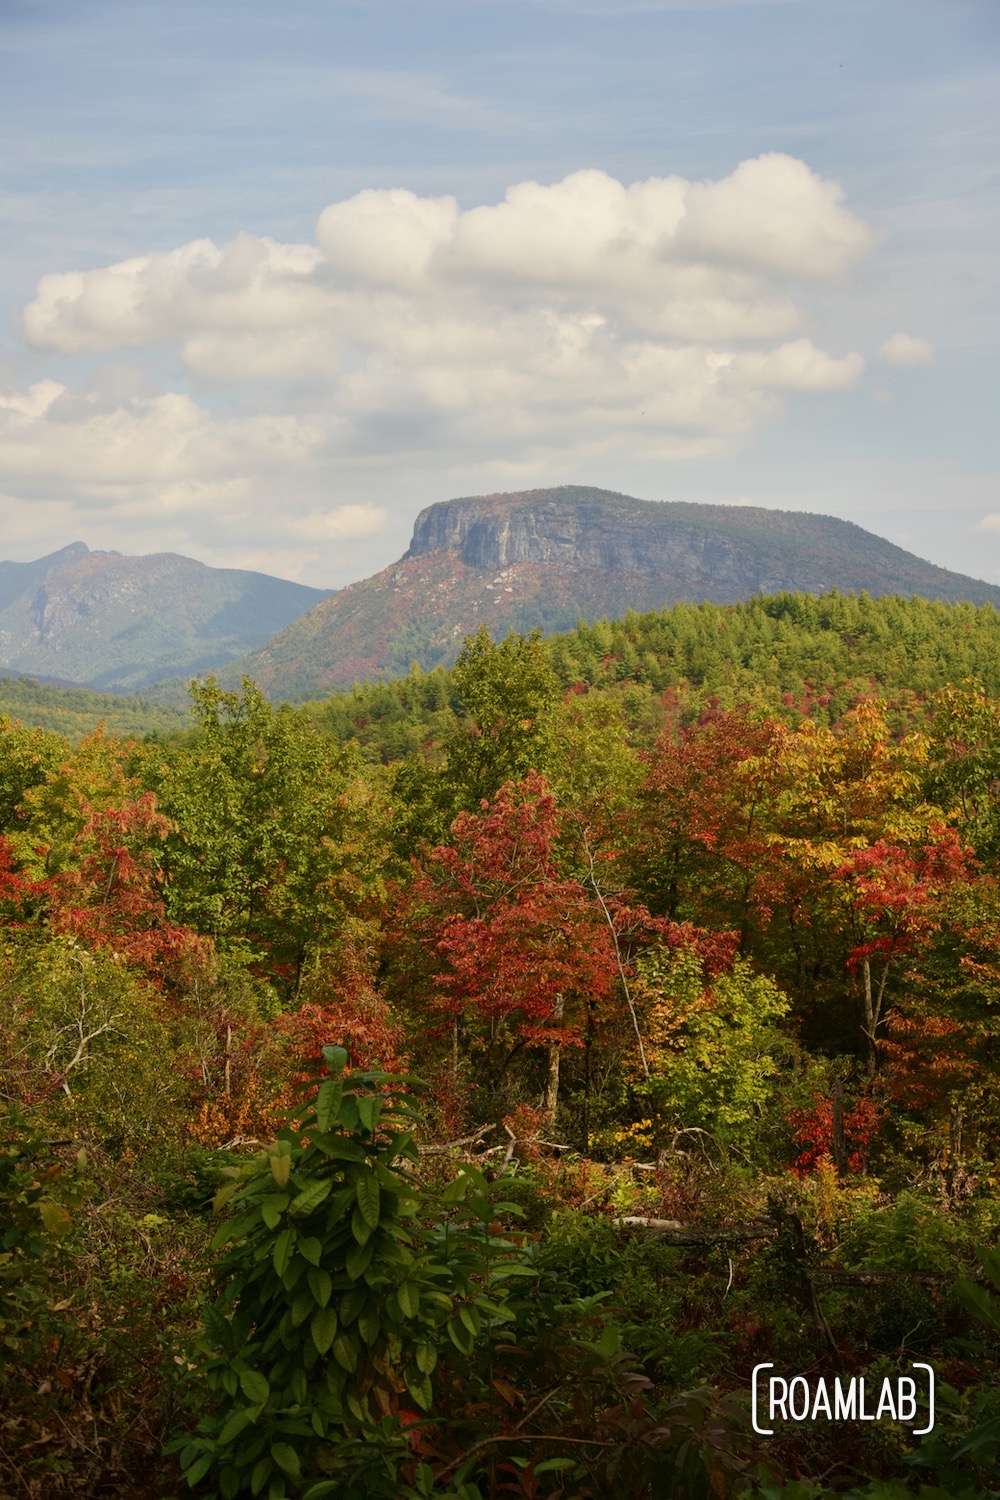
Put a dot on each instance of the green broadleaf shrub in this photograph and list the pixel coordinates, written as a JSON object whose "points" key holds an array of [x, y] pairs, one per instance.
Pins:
{"points": [[319, 1350], [374, 1339]]}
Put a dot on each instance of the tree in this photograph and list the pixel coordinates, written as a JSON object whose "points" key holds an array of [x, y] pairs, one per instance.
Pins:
{"points": [[508, 690], [963, 769], [508, 948], [110, 893], [716, 1048], [96, 775], [595, 773], [89, 861], [892, 899], [88, 1044], [27, 756], [279, 834], [701, 845], [871, 859]]}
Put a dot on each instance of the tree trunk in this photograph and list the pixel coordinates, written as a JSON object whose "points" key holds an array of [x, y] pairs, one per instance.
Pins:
{"points": [[552, 1082], [839, 1144], [588, 1043], [874, 1002], [618, 956]]}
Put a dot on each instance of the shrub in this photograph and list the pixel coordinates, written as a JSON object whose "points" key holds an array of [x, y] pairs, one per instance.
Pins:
{"points": [[358, 1350]]}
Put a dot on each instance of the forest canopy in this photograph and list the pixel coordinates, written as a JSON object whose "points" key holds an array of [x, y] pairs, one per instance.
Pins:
{"points": [[558, 1036]]}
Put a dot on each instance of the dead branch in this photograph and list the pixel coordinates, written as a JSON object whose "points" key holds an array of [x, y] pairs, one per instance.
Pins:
{"points": [[81, 1055], [438, 1148], [618, 955], [510, 1148]]}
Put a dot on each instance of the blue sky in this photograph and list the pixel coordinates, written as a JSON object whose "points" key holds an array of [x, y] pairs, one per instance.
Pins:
{"points": [[253, 395]]}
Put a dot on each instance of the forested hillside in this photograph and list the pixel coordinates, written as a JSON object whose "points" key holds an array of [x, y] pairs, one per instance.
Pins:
{"points": [[456, 1088], [780, 651], [73, 712], [545, 559], [762, 650], [104, 620]]}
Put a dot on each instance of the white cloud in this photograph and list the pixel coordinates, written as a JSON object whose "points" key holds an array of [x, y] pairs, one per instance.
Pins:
{"points": [[254, 284], [563, 325], [906, 351], [663, 258]]}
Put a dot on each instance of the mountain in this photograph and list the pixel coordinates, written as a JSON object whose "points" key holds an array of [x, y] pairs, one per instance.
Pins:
{"points": [[16, 578], [103, 620], [550, 557]]}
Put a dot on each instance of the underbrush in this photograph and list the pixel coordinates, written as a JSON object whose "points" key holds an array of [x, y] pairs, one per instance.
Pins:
{"points": [[621, 1334], [102, 1277]]}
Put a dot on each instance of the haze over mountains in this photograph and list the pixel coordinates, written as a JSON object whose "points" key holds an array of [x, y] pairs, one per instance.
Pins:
{"points": [[548, 557], [535, 558], [116, 623]]}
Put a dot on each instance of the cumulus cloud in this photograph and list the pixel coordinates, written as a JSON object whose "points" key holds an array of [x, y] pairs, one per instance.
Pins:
{"points": [[664, 258], [574, 320], [52, 437], [906, 351]]}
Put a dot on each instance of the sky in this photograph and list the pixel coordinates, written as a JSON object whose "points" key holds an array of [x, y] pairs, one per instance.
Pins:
{"points": [[273, 278]]}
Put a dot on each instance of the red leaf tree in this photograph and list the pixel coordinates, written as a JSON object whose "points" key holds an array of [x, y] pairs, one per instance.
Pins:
{"points": [[110, 895], [892, 897], [499, 945]]}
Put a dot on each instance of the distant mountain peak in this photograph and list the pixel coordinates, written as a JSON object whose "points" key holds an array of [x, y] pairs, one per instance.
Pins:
{"points": [[105, 620], [56, 559], [546, 557]]}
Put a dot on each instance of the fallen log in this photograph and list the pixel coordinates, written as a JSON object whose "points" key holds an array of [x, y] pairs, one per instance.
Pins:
{"points": [[438, 1148], [834, 1277], [677, 1233], [658, 1226]]}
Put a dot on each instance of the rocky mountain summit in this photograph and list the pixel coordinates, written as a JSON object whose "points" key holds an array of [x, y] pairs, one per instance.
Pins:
{"points": [[549, 557], [719, 552], [113, 622]]}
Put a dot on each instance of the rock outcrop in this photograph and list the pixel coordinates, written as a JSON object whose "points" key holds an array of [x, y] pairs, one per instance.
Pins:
{"points": [[548, 557]]}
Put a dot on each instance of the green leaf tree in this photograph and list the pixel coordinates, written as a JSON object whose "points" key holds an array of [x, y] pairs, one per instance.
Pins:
{"points": [[509, 692], [716, 1050], [332, 1302], [280, 837]]}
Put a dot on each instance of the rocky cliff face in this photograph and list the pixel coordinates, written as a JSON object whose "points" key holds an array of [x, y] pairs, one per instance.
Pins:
{"points": [[715, 552], [547, 557], [599, 536]]}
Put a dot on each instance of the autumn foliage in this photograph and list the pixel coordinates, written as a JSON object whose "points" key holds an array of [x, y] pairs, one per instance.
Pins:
{"points": [[653, 954], [512, 944]]}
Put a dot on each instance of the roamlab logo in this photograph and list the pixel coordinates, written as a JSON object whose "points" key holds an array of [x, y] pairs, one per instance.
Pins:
{"points": [[779, 1400]]}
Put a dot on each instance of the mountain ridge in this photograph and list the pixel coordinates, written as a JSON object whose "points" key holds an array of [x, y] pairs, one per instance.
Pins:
{"points": [[123, 623], [549, 557], [810, 539]]}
